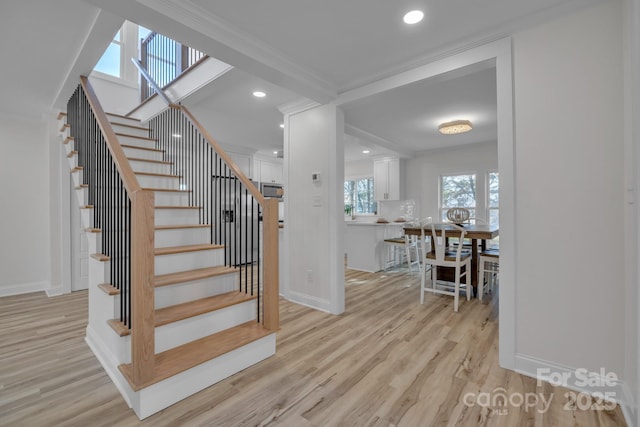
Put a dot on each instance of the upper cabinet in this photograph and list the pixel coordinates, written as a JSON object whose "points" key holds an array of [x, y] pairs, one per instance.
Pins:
{"points": [[243, 161], [265, 171], [387, 179]]}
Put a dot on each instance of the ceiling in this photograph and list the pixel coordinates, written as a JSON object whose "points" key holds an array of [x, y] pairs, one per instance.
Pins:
{"points": [[294, 49]]}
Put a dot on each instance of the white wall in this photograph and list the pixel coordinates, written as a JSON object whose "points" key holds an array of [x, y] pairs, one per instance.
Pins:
{"points": [[314, 212], [570, 310], [358, 169], [423, 174], [24, 212], [115, 97]]}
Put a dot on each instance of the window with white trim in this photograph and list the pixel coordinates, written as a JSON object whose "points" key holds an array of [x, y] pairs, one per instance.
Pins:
{"points": [[111, 61], [358, 196], [493, 198], [457, 191]]}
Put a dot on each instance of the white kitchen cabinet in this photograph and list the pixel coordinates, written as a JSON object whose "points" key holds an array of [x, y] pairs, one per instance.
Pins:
{"points": [[243, 161], [265, 171], [387, 179]]}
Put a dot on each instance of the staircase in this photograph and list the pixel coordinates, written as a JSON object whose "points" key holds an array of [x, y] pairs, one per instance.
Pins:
{"points": [[193, 319]]}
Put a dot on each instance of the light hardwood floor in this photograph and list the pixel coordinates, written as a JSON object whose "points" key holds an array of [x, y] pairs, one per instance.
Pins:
{"points": [[387, 361]]}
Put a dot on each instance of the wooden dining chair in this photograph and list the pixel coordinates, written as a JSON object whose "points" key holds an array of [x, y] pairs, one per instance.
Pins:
{"points": [[489, 266], [441, 256], [398, 246]]}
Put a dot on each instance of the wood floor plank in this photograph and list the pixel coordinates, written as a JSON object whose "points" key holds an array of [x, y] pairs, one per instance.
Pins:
{"points": [[387, 361]]}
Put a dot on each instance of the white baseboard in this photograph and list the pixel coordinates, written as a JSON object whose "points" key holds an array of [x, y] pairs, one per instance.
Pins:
{"points": [[54, 291], [23, 288], [574, 379], [109, 363], [311, 302]]}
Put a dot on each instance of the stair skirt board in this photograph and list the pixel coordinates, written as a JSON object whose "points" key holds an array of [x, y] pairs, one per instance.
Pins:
{"points": [[165, 393]]}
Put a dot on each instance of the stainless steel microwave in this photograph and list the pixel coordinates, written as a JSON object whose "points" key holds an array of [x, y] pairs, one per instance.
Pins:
{"points": [[269, 189]]}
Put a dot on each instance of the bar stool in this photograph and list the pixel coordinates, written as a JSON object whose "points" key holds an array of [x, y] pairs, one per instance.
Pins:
{"points": [[488, 262], [407, 246]]}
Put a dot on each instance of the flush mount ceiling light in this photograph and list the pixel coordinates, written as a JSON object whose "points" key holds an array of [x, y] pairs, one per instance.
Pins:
{"points": [[457, 126], [282, 125], [259, 94], [365, 151], [413, 17]]}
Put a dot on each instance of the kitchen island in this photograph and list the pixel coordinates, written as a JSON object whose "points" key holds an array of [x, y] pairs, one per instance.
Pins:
{"points": [[364, 243]]}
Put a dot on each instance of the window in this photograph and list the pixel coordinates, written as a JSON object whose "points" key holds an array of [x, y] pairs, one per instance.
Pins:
{"points": [[493, 199], [358, 194], [457, 191], [111, 61]]}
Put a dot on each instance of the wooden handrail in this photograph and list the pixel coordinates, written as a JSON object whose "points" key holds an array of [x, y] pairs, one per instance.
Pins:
{"points": [[126, 172], [153, 83], [142, 248]]}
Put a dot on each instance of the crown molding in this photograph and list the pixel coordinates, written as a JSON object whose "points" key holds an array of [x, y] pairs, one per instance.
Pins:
{"points": [[298, 106], [363, 134], [265, 58]]}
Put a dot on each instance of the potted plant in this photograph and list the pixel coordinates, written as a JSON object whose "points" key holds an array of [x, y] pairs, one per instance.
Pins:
{"points": [[347, 210]]}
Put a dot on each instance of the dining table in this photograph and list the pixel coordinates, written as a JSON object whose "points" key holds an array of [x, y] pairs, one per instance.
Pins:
{"points": [[474, 232]]}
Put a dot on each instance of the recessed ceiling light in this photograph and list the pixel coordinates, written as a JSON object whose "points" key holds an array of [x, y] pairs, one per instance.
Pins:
{"points": [[282, 125], [275, 152], [413, 17], [259, 94], [365, 151], [457, 126], [176, 135]]}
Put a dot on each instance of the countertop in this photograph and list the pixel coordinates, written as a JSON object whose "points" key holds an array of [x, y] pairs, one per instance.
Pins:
{"points": [[374, 223]]}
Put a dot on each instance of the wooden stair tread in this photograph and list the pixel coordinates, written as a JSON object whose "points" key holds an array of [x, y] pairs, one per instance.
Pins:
{"points": [[161, 162], [68, 139], [161, 175], [177, 207], [120, 328], [61, 115], [170, 190], [180, 226], [136, 147], [179, 359], [100, 257], [72, 153], [108, 289], [188, 276], [186, 248], [136, 136], [178, 312]]}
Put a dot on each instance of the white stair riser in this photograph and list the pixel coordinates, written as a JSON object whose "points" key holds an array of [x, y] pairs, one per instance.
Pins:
{"points": [[169, 198], [138, 166], [182, 237], [196, 289], [179, 333], [142, 154], [150, 181], [119, 119], [138, 142], [129, 130], [176, 216], [165, 393], [173, 263]]}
